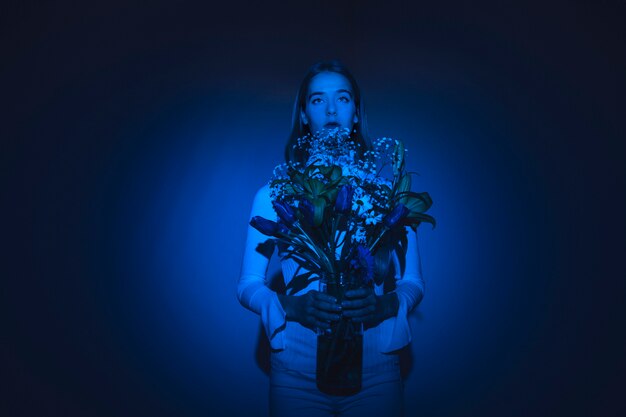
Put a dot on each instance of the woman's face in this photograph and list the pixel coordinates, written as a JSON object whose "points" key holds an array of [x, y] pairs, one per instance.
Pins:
{"points": [[329, 103]]}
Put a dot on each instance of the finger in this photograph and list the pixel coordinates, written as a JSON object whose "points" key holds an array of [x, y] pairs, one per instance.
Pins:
{"points": [[320, 296], [358, 303], [326, 306], [360, 313], [326, 317], [359, 293], [320, 324]]}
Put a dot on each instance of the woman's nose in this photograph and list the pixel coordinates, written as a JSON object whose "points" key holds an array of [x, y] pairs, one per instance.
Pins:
{"points": [[331, 110]]}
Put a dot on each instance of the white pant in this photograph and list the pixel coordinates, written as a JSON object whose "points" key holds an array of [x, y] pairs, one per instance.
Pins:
{"points": [[294, 394]]}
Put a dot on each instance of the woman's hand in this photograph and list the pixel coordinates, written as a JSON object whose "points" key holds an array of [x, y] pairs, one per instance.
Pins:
{"points": [[363, 305], [313, 309]]}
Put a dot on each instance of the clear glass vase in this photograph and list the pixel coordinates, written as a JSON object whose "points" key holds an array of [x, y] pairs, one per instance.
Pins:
{"points": [[339, 348]]}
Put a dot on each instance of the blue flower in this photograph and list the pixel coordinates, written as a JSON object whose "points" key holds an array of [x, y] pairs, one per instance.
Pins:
{"points": [[363, 264], [343, 203], [268, 227], [398, 213], [284, 212]]}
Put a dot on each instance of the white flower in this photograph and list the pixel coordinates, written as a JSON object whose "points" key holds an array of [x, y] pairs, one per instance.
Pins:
{"points": [[362, 205], [359, 235], [372, 218]]}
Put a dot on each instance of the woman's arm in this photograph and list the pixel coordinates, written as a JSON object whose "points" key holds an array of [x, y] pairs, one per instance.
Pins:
{"points": [[252, 290], [410, 291], [410, 285], [313, 309]]}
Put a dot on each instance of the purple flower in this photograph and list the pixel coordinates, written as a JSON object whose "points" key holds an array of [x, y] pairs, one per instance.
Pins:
{"points": [[343, 203], [268, 227], [363, 264], [398, 213], [285, 212]]}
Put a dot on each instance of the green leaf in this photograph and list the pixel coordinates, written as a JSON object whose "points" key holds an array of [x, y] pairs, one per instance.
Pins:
{"points": [[316, 187], [335, 174], [414, 219], [289, 189], [319, 205], [331, 195], [297, 177], [404, 184], [415, 202]]}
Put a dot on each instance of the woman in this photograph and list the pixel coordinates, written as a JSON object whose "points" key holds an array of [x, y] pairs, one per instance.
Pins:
{"points": [[329, 97]]}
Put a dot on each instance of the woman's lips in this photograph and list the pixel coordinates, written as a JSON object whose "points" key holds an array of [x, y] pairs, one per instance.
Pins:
{"points": [[330, 125]]}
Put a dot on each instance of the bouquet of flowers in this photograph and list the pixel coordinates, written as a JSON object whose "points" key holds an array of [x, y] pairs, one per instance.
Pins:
{"points": [[341, 215]]}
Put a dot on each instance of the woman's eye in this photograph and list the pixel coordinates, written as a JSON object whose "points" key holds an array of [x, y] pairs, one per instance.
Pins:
{"points": [[316, 100], [344, 99]]}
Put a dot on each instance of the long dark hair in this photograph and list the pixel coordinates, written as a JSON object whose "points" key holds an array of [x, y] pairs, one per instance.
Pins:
{"points": [[299, 129]]}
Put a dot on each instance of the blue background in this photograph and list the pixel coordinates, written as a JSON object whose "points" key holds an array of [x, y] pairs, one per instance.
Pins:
{"points": [[134, 137]]}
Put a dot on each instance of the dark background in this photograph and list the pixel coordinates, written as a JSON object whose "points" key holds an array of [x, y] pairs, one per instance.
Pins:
{"points": [[122, 125]]}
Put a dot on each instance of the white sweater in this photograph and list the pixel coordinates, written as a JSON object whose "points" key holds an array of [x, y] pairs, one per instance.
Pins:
{"points": [[293, 345]]}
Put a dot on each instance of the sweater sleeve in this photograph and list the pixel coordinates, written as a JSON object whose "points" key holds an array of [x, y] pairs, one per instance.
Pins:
{"points": [[252, 290], [410, 291]]}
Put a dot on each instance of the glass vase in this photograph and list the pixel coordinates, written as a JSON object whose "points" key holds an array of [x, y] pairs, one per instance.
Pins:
{"points": [[340, 347]]}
